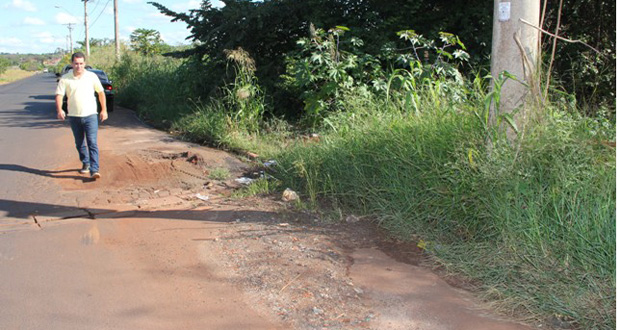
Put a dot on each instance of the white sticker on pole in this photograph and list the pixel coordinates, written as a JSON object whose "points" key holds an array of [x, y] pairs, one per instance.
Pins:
{"points": [[504, 11]]}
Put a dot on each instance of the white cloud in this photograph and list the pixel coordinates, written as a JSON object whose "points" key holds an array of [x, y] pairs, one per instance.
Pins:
{"points": [[217, 4], [158, 17], [185, 6], [47, 38], [10, 42], [45, 34], [33, 21], [175, 38], [129, 28], [21, 4], [132, 1], [64, 18]]}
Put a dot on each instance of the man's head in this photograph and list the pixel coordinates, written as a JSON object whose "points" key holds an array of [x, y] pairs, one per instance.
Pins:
{"points": [[78, 62]]}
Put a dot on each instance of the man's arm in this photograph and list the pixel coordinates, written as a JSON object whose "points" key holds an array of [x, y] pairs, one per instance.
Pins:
{"points": [[59, 113], [104, 108]]}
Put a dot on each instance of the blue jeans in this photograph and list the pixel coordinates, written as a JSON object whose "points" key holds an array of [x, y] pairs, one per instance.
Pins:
{"points": [[85, 135]]}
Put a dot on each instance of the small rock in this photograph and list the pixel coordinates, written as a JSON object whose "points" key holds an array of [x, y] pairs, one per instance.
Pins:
{"points": [[244, 180], [195, 159], [202, 197], [317, 310], [289, 195], [358, 291], [352, 219]]}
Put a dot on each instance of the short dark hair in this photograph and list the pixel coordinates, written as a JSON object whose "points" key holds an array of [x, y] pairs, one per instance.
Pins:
{"points": [[76, 55]]}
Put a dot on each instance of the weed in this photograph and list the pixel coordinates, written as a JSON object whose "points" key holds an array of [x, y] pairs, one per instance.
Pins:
{"points": [[260, 187], [219, 173]]}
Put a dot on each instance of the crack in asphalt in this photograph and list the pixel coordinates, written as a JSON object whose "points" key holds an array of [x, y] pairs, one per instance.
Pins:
{"points": [[36, 221], [89, 215]]}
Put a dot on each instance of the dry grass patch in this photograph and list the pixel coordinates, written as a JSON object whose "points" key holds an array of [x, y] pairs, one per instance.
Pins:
{"points": [[14, 74]]}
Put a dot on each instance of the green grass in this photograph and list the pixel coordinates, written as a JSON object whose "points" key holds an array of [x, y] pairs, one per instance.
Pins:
{"points": [[259, 187], [219, 173], [532, 222]]}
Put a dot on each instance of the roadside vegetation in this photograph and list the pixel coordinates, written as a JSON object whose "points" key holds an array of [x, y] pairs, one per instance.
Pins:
{"points": [[12, 74], [401, 136], [14, 67]]}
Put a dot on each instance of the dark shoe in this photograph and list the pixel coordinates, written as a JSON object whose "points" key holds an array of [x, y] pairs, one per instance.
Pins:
{"points": [[95, 176], [85, 169]]}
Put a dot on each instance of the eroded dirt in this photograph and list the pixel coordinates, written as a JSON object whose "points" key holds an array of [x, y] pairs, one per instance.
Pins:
{"points": [[291, 266]]}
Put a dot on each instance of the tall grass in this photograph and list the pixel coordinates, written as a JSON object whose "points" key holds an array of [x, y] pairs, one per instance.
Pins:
{"points": [[533, 223], [536, 227], [155, 87]]}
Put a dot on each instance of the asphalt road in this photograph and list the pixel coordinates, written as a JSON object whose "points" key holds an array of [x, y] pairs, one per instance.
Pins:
{"points": [[31, 140], [81, 273]]}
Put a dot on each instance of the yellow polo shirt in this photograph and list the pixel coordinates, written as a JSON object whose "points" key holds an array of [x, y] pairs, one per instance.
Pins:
{"points": [[80, 92]]}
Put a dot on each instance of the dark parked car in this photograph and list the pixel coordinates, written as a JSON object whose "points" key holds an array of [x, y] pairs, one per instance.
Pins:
{"points": [[63, 72], [66, 69], [107, 88]]}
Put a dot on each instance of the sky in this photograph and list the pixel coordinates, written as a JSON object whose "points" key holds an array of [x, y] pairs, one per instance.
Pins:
{"points": [[40, 26]]}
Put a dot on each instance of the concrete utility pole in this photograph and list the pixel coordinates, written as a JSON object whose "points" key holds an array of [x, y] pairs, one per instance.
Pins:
{"points": [[87, 43], [516, 50], [70, 37], [117, 39]]}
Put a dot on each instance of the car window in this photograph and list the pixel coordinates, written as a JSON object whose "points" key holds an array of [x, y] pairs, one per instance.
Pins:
{"points": [[101, 75]]}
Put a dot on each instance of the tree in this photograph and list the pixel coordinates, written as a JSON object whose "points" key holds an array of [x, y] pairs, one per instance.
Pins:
{"points": [[590, 76], [147, 42], [94, 42], [4, 65], [268, 31], [31, 65]]}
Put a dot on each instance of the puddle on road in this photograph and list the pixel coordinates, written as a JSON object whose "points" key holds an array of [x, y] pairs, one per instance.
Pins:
{"points": [[92, 236]]}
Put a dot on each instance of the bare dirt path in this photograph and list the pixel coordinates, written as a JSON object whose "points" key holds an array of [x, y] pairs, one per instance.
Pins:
{"points": [[173, 250]]}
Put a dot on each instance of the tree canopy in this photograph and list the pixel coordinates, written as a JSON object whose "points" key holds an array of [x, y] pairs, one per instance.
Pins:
{"points": [[268, 30], [147, 41]]}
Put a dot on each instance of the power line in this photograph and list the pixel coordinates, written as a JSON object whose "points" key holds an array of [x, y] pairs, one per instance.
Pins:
{"points": [[102, 10], [95, 8]]}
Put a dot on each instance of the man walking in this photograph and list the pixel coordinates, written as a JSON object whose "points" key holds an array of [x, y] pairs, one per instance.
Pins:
{"points": [[80, 86]]}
